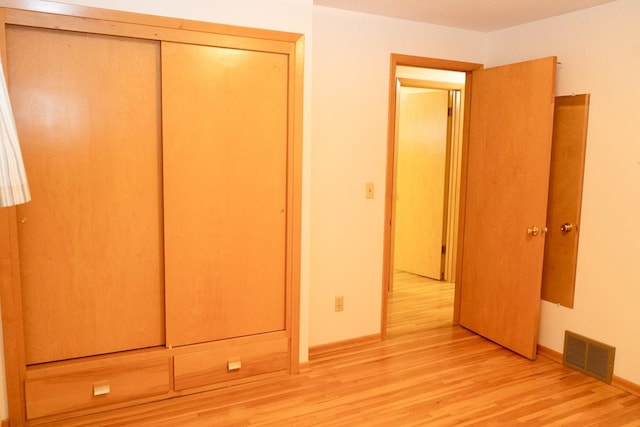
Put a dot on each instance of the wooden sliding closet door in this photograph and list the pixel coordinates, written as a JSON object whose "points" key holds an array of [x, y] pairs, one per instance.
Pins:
{"points": [[88, 114], [225, 177]]}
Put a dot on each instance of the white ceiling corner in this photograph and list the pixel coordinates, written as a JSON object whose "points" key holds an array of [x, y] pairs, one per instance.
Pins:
{"points": [[477, 15]]}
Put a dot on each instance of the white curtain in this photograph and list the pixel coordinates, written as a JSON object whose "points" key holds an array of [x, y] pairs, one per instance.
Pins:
{"points": [[14, 188]]}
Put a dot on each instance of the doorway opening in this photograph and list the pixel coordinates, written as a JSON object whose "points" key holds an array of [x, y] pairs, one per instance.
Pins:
{"points": [[428, 146], [427, 183], [508, 125], [424, 165]]}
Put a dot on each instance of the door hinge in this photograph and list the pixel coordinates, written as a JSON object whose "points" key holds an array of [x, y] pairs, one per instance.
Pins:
{"points": [[444, 249], [450, 111]]}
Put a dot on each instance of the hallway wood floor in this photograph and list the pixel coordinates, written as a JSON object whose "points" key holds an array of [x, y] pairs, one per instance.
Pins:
{"points": [[418, 304], [428, 373]]}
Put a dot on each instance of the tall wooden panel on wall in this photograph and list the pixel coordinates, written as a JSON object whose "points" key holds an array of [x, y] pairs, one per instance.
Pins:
{"points": [[225, 181], [568, 152], [88, 114]]}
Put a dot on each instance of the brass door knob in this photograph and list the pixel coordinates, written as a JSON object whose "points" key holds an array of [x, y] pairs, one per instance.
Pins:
{"points": [[566, 227], [533, 231]]}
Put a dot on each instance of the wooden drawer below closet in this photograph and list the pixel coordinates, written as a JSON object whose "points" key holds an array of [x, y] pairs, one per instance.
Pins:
{"points": [[50, 393], [229, 363]]}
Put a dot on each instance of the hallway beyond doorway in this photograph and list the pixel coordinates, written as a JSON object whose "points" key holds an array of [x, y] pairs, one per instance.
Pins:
{"points": [[418, 304]]}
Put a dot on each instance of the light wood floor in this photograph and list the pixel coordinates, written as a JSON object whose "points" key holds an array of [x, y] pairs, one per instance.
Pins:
{"points": [[427, 373], [418, 304]]}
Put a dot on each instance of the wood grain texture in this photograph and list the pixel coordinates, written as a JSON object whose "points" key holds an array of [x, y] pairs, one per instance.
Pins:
{"points": [[90, 21], [209, 368], [420, 181], [444, 376], [112, 20], [74, 391], [419, 304], [568, 153], [507, 183], [317, 350], [12, 320], [10, 291], [618, 382], [141, 30], [225, 191], [88, 110]]}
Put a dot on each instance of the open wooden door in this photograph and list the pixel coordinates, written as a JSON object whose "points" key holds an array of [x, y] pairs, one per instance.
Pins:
{"points": [[511, 125]]}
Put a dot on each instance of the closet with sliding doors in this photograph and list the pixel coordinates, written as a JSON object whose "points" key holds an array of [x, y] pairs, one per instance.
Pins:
{"points": [[159, 255]]}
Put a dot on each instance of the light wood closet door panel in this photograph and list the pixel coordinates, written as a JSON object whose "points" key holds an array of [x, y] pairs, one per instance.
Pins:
{"points": [[225, 158], [88, 114]]}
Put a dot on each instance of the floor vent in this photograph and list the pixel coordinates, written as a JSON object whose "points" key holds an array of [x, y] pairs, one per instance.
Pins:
{"points": [[589, 356]]}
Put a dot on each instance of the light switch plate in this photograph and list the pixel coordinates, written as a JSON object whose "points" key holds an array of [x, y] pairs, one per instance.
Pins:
{"points": [[368, 190]]}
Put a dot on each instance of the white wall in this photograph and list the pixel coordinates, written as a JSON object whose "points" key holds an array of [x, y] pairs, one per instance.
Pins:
{"points": [[280, 15], [599, 49], [600, 53], [351, 60]]}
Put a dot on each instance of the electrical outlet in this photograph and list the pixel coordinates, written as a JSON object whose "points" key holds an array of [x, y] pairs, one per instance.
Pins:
{"points": [[368, 190], [339, 304]]}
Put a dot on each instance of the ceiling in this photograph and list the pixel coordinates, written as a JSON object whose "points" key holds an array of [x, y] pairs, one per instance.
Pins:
{"points": [[478, 15]]}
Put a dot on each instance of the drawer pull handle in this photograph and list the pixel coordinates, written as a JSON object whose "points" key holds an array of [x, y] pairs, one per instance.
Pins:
{"points": [[234, 365], [101, 389]]}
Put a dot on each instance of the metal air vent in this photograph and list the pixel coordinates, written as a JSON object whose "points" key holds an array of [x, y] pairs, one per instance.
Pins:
{"points": [[589, 356]]}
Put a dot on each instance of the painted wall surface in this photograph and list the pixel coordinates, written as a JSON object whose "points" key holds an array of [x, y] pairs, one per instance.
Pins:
{"points": [[351, 62], [599, 51], [280, 15]]}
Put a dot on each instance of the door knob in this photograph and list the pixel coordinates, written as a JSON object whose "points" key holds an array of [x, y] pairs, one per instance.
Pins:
{"points": [[533, 231], [566, 227]]}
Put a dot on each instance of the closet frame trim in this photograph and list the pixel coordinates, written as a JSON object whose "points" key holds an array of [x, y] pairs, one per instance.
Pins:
{"points": [[43, 14]]}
